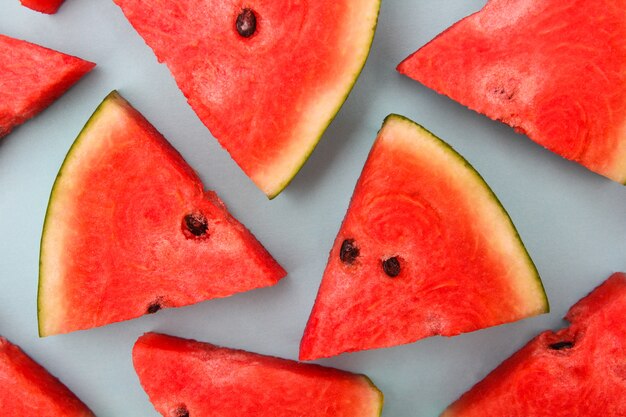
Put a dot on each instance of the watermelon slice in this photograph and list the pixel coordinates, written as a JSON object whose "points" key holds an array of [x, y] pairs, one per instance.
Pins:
{"points": [[27, 389], [31, 78], [266, 77], [576, 371], [130, 230], [43, 6], [553, 70], [189, 378], [425, 249]]}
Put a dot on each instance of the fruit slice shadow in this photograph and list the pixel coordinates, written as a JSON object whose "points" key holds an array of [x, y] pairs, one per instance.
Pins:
{"points": [[425, 249], [130, 230]]}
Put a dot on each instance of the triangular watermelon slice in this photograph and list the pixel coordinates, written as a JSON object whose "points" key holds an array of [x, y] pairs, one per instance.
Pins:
{"points": [[43, 6], [130, 230], [576, 371], [185, 378], [266, 77], [31, 78], [27, 389], [552, 69], [425, 249]]}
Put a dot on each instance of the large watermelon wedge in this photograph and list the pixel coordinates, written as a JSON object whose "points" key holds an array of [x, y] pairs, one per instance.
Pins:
{"points": [[31, 78], [185, 378], [130, 230], [576, 371], [265, 76], [552, 69], [43, 6], [425, 249], [27, 389]]}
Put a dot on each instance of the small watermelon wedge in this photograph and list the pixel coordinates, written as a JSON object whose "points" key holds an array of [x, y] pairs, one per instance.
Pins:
{"points": [[130, 230], [425, 249], [27, 389], [266, 77], [553, 70], [188, 378], [31, 78], [576, 371], [43, 6]]}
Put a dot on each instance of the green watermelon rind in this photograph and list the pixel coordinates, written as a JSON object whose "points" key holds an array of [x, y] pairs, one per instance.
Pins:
{"points": [[111, 97], [281, 186], [448, 148]]}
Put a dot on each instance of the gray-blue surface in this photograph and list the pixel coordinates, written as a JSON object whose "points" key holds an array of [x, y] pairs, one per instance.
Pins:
{"points": [[572, 221]]}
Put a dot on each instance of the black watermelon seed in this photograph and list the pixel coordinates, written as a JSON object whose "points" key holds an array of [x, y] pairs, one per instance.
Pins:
{"points": [[561, 345], [391, 267], [181, 412], [246, 23], [349, 251], [154, 307], [196, 224]]}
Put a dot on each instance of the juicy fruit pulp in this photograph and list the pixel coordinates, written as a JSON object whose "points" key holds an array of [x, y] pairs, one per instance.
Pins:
{"points": [[553, 70], [31, 78], [185, 377], [425, 249], [268, 90], [130, 230], [43, 6], [576, 371], [27, 389]]}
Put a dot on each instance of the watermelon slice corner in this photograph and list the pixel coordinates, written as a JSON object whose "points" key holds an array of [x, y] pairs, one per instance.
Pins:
{"points": [[425, 249], [31, 78], [188, 378], [576, 371], [130, 230], [267, 95], [553, 70], [43, 6]]}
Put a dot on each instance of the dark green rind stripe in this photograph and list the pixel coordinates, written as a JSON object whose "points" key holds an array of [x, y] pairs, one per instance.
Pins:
{"points": [[112, 96], [288, 180], [469, 166]]}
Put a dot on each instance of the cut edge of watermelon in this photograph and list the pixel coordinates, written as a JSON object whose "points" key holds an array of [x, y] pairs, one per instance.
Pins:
{"points": [[318, 109], [530, 293], [55, 233], [41, 6]]}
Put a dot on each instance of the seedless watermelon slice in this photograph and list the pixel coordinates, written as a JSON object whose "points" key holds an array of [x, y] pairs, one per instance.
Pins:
{"points": [[43, 6], [31, 78], [265, 76], [425, 249], [553, 70], [194, 379], [27, 389], [576, 371], [130, 230]]}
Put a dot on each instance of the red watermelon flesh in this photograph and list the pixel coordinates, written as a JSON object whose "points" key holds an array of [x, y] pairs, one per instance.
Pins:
{"points": [[31, 78], [554, 70], [27, 389], [576, 371], [268, 97], [194, 379], [425, 249], [130, 230], [43, 6]]}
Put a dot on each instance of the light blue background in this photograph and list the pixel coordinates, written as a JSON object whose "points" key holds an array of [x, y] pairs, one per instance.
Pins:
{"points": [[572, 221]]}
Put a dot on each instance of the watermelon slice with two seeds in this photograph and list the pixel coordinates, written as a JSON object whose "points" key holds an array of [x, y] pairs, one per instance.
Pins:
{"points": [[425, 249], [130, 230], [552, 69], [31, 78], [27, 389], [265, 76], [576, 371], [43, 6], [185, 378]]}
